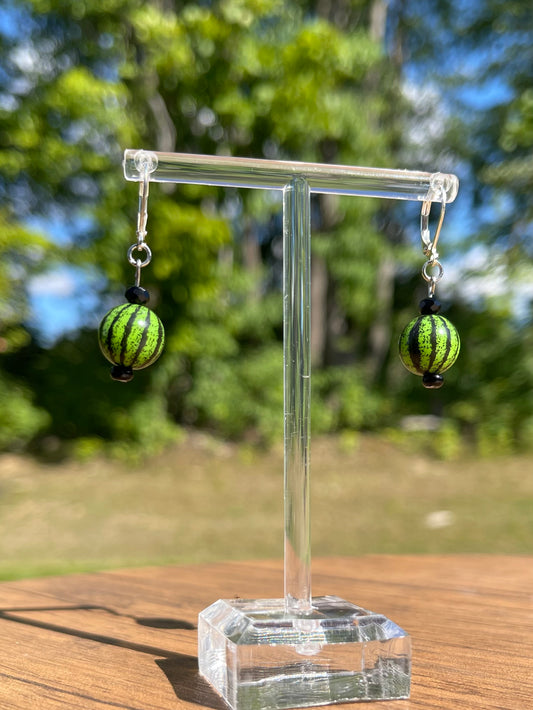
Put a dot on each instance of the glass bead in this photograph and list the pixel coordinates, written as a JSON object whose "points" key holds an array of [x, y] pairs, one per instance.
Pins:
{"points": [[429, 306], [137, 295], [120, 373], [432, 381]]}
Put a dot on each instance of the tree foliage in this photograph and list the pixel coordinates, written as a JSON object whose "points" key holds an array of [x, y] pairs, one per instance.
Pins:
{"points": [[265, 79], [82, 81], [479, 63]]}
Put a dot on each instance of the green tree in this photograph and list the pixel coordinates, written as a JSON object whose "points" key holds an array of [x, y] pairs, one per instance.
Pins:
{"points": [[472, 88], [21, 250], [262, 78]]}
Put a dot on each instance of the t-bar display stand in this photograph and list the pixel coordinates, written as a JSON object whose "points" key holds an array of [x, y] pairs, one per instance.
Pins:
{"points": [[300, 650]]}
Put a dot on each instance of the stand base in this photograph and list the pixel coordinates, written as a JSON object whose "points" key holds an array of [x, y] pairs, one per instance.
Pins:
{"points": [[259, 657]]}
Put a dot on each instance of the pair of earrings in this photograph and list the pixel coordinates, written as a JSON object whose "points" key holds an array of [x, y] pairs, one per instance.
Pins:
{"points": [[132, 336]]}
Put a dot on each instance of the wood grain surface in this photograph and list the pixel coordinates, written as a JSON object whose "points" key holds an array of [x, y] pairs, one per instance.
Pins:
{"points": [[127, 639]]}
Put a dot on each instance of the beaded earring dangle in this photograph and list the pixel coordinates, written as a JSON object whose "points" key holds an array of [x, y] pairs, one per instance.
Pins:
{"points": [[131, 336], [429, 344]]}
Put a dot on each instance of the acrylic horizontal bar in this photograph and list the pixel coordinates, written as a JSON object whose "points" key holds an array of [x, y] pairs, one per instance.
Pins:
{"points": [[275, 174]]}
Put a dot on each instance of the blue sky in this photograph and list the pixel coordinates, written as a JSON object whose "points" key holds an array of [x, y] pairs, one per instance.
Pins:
{"points": [[62, 300], [64, 297]]}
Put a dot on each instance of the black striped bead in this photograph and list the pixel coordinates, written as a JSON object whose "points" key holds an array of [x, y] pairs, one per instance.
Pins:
{"points": [[428, 346], [132, 337]]}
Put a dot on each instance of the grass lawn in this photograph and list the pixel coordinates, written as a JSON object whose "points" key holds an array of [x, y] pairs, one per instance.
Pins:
{"points": [[206, 500]]}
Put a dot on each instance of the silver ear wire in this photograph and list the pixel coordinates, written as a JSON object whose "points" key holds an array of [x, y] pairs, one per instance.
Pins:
{"points": [[145, 165], [142, 214], [429, 246]]}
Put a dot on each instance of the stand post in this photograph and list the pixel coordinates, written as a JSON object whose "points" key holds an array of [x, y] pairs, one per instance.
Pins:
{"points": [[297, 392]]}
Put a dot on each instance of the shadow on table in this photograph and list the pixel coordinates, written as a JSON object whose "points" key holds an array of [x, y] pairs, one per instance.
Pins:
{"points": [[181, 670], [188, 684]]}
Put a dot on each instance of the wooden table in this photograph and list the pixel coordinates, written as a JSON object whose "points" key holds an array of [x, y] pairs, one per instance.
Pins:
{"points": [[127, 639]]}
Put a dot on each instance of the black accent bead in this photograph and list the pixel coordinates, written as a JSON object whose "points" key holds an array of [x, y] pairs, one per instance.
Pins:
{"points": [[121, 373], [137, 295], [429, 306], [431, 381]]}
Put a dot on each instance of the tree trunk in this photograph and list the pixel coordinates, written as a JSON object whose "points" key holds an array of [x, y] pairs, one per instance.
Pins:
{"points": [[319, 310], [381, 331], [251, 258]]}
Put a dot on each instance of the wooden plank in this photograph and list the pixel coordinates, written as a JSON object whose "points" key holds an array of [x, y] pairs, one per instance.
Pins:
{"points": [[127, 639]]}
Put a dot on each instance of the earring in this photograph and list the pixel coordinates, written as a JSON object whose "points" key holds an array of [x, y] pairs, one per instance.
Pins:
{"points": [[429, 344], [131, 336]]}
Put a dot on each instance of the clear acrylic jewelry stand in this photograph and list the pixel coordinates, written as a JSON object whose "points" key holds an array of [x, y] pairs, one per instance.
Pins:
{"points": [[300, 650]]}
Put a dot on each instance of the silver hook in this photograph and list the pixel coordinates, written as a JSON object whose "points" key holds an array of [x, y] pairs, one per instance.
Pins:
{"points": [[429, 246], [142, 214], [145, 163]]}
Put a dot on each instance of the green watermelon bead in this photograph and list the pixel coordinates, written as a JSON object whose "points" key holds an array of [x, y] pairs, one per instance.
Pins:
{"points": [[131, 337], [428, 346]]}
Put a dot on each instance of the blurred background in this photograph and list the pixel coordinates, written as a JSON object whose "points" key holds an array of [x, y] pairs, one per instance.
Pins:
{"points": [[185, 463]]}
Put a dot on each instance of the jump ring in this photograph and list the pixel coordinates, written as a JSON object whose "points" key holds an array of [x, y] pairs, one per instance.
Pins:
{"points": [[140, 247], [434, 278]]}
